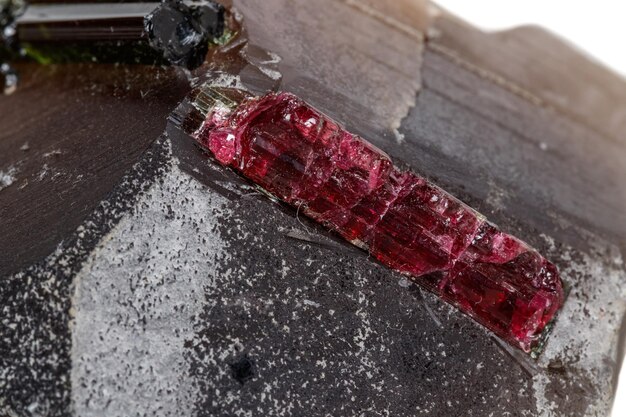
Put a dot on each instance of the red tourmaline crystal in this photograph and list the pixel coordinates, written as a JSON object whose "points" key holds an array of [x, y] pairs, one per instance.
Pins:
{"points": [[305, 159]]}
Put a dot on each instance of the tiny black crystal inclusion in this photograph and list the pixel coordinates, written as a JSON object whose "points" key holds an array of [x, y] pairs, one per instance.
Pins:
{"points": [[243, 369]]}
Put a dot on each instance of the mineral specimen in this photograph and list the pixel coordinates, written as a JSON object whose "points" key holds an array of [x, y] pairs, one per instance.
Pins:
{"points": [[170, 32], [409, 224], [182, 32]]}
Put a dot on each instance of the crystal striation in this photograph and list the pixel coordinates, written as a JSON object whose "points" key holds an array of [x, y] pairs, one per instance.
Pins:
{"points": [[156, 33], [307, 160]]}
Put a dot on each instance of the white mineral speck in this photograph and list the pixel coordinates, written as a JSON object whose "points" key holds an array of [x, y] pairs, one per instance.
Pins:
{"points": [[7, 177]]}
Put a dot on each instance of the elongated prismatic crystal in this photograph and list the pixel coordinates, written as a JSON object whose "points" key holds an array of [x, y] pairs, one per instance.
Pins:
{"points": [[173, 31], [307, 160]]}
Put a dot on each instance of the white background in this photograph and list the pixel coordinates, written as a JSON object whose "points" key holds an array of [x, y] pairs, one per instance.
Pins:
{"points": [[597, 27]]}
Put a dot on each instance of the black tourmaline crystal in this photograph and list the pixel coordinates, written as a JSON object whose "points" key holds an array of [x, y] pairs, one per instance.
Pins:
{"points": [[172, 32], [182, 33]]}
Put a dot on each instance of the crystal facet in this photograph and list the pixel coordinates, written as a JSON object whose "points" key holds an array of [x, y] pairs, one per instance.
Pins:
{"points": [[409, 224]]}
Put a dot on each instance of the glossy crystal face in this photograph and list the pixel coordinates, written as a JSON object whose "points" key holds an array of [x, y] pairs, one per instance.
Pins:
{"points": [[409, 224]]}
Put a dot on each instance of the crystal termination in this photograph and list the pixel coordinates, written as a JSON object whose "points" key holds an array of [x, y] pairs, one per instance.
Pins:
{"points": [[307, 160]]}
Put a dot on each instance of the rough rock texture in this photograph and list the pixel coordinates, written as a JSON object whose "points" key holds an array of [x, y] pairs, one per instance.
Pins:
{"points": [[523, 60], [137, 298], [310, 313], [35, 331]]}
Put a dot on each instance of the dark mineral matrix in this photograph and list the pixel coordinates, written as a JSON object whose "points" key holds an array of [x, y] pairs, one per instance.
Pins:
{"points": [[307, 160]]}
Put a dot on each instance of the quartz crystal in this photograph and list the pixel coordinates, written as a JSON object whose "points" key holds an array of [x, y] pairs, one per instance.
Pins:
{"points": [[307, 160]]}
